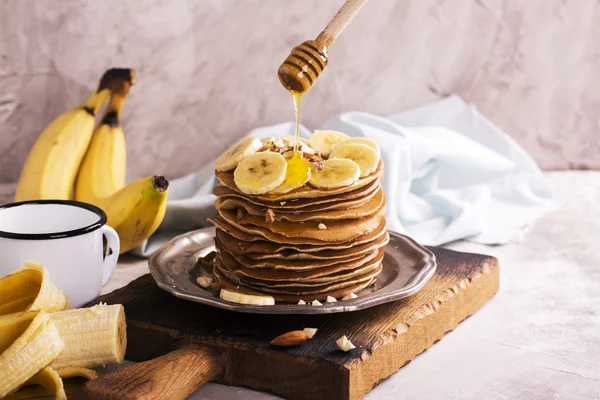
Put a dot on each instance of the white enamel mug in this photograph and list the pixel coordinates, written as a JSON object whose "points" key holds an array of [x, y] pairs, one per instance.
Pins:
{"points": [[64, 236]]}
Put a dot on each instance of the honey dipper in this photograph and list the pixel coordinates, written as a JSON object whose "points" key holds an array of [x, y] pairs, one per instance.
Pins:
{"points": [[306, 62]]}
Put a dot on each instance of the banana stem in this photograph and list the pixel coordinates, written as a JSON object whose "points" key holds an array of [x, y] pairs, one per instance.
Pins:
{"points": [[160, 183], [114, 80]]}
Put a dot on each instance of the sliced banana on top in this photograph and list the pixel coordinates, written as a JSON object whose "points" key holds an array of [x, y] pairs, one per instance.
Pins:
{"points": [[260, 173], [236, 153], [366, 157], [360, 140], [323, 141], [243, 298], [336, 173]]}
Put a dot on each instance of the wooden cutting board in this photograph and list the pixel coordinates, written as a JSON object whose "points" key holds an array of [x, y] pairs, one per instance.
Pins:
{"points": [[199, 344]]}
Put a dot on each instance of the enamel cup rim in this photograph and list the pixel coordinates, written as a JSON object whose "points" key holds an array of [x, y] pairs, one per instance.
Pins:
{"points": [[56, 235]]}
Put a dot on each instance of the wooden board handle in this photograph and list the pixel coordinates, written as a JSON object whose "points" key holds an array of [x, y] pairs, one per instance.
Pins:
{"points": [[339, 21], [173, 376]]}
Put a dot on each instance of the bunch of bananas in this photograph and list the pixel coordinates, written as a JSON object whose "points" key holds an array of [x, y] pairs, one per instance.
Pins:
{"points": [[70, 156], [42, 343]]}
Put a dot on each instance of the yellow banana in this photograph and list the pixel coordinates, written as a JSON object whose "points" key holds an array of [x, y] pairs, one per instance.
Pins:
{"points": [[55, 158], [135, 211], [103, 169]]}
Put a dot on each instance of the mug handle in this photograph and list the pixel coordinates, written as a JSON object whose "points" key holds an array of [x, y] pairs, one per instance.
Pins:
{"points": [[112, 256]]}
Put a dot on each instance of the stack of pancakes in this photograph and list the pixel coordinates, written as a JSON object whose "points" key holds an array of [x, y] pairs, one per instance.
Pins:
{"points": [[307, 244]]}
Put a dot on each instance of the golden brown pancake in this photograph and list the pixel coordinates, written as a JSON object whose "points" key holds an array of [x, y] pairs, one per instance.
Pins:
{"points": [[295, 288], [306, 245], [365, 210], [350, 261], [257, 244], [307, 191], [223, 282], [301, 233], [324, 274], [354, 198]]}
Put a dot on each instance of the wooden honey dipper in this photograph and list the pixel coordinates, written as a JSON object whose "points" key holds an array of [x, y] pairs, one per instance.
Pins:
{"points": [[308, 60]]}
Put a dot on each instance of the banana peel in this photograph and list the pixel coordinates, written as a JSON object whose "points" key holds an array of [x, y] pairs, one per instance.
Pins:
{"points": [[30, 289]]}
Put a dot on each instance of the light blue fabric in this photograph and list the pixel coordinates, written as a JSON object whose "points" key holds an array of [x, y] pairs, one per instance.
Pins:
{"points": [[450, 174]]}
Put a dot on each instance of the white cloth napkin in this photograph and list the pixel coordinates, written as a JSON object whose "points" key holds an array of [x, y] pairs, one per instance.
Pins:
{"points": [[450, 174]]}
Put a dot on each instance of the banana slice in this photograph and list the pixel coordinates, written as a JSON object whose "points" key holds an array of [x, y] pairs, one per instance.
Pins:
{"points": [[360, 140], [336, 173], [366, 157], [323, 141], [236, 153], [243, 298], [260, 173]]}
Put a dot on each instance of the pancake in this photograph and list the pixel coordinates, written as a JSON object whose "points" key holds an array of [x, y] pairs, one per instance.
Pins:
{"points": [[290, 265], [325, 274], [301, 233], [306, 191], [354, 198], [257, 244], [364, 248], [223, 282], [306, 244], [297, 289], [365, 210], [351, 260]]}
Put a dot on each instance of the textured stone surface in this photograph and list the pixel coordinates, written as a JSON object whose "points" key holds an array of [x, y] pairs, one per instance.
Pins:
{"points": [[207, 70], [539, 338]]}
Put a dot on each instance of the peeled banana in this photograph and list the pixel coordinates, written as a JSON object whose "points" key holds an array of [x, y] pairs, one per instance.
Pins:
{"points": [[93, 336], [260, 173], [30, 289], [53, 162], [323, 141], [365, 156], [47, 382], [28, 343], [336, 172]]}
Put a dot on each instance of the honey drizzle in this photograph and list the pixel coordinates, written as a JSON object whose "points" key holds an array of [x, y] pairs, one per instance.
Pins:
{"points": [[297, 97], [298, 168]]}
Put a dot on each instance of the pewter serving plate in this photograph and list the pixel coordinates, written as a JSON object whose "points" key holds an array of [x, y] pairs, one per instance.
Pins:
{"points": [[407, 266]]}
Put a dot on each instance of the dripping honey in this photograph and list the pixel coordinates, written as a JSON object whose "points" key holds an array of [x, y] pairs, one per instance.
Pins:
{"points": [[298, 168]]}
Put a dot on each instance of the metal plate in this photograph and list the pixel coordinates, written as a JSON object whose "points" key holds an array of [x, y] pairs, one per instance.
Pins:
{"points": [[407, 266]]}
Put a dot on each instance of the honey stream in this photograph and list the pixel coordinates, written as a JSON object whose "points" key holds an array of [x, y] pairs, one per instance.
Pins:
{"points": [[298, 168]]}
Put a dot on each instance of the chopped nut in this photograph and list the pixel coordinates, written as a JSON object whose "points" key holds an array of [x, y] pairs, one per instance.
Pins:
{"points": [[282, 202], [322, 226], [204, 281], [350, 296], [270, 215], [310, 332], [344, 344], [316, 303], [330, 299], [293, 338], [301, 302]]}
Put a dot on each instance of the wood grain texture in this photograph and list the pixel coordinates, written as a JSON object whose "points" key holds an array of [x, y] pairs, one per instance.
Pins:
{"points": [[339, 21], [155, 380], [386, 337], [530, 66]]}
